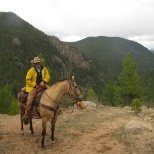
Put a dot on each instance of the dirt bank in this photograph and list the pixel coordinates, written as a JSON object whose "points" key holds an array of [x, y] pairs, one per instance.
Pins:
{"points": [[79, 131]]}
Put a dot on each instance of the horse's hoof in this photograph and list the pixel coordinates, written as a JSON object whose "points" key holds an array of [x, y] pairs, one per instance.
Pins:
{"points": [[22, 132], [32, 133], [52, 142], [43, 147], [26, 122]]}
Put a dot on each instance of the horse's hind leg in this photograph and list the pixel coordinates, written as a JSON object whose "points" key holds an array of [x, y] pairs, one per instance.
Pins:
{"points": [[31, 127], [22, 111], [44, 123], [22, 127]]}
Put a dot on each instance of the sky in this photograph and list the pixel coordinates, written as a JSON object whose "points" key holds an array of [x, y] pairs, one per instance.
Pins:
{"points": [[73, 20]]}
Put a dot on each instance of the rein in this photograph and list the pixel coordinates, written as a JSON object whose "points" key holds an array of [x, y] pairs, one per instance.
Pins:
{"points": [[46, 106], [50, 98], [70, 89], [53, 109], [50, 108]]}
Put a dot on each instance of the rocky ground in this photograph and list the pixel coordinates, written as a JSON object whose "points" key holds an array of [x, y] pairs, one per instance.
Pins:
{"points": [[83, 131]]}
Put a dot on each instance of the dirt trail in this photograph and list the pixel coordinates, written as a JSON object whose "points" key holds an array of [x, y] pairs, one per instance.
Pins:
{"points": [[88, 131]]}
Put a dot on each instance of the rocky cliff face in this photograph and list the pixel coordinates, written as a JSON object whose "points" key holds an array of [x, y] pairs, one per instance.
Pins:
{"points": [[70, 52]]}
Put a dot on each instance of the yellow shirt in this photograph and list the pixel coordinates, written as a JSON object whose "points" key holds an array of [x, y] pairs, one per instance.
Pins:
{"points": [[32, 76]]}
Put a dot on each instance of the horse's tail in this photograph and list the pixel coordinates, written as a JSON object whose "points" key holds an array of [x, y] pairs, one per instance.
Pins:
{"points": [[22, 96]]}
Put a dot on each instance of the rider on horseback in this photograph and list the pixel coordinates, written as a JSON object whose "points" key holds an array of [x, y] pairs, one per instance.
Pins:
{"points": [[36, 78]]}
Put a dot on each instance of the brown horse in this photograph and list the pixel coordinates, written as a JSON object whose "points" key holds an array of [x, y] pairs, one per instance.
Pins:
{"points": [[49, 101]]}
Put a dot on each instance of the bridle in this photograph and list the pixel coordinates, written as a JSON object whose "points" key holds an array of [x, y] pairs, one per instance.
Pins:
{"points": [[73, 89], [70, 89]]}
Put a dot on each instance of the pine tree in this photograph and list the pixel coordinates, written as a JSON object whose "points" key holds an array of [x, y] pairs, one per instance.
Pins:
{"points": [[91, 95], [112, 94], [6, 98], [43, 63], [129, 80]]}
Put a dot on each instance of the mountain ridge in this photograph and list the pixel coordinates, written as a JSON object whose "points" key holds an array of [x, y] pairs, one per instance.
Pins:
{"points": [[20, 42], [113, 49]]}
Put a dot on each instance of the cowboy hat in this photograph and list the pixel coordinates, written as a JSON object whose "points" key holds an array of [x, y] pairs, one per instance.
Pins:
{"points": [[36, 60]]}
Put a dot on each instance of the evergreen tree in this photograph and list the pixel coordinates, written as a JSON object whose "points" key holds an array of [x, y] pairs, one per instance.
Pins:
{"points": [[14, 110], [91, 95], [129, 80], [112, 94], [136, 105], [6, 98], [149, 88], [67, 101], [43, 63]]}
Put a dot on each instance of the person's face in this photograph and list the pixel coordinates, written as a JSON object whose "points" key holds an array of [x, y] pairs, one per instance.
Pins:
{"points": [[37, 65]]}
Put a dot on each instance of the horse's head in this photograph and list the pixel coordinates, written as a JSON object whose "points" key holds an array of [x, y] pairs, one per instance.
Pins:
{"points": [[74, 90]]}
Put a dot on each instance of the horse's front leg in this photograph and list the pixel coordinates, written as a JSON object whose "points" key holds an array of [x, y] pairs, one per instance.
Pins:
{"points": [[52, 132], [44, 123], [53, 126]]}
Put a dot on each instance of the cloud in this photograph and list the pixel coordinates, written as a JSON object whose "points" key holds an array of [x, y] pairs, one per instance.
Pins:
{"points": [[145, 40], [75, 19]]}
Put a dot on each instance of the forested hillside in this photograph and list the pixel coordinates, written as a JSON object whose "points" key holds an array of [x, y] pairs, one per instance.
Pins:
{"points": [[94, 62], [20, 42], [109, 51]]}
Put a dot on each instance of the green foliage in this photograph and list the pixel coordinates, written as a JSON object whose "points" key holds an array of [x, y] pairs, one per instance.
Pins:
{"points": [[91, 95], [67, 101], [14, 110], [149, 88], [108, 52], [43, 63], [136, 105], [20, 42], [130, 82], [6, 99], [112, 94]]}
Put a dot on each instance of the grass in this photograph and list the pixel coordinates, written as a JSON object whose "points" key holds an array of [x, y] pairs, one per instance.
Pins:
{"points": [[79, 122], [6, 146], [84, 121], [0, 128], [117, 137]]}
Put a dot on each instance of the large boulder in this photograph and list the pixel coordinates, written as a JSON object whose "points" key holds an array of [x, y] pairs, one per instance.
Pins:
{"points": [[81, 105], [134, 126], [89, 104]]}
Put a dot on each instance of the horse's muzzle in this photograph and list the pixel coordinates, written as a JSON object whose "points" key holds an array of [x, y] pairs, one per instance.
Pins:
{"points": [[79, 99]]}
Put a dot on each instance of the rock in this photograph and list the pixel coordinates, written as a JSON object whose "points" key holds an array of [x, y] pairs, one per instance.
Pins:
{"points": [[141, 114], [137, 125], [89, 104], [81, 105], [127, 107]]}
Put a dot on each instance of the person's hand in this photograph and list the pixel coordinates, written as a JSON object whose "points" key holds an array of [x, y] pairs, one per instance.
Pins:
{"points": [[37, 86], [42, 84]]}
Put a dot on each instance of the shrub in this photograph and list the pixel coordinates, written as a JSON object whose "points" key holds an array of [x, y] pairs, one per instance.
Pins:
{"points": [[136, 105]]}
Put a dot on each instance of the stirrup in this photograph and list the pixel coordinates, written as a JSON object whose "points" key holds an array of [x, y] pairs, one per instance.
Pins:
{"points": [[26, 117]]}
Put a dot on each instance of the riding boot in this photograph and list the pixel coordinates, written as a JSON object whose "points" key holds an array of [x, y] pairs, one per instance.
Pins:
{"points": [[27, 115], [30, 99]]}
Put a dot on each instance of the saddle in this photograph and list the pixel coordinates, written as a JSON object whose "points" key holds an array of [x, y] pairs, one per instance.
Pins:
{"points": [[22, 96]]}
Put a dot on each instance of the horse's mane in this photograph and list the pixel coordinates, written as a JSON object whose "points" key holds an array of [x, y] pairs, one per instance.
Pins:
{"points": [[63, 79]]}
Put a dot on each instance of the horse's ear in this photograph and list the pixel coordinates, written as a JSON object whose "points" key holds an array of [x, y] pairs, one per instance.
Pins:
{"points": [[72, 77]]}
